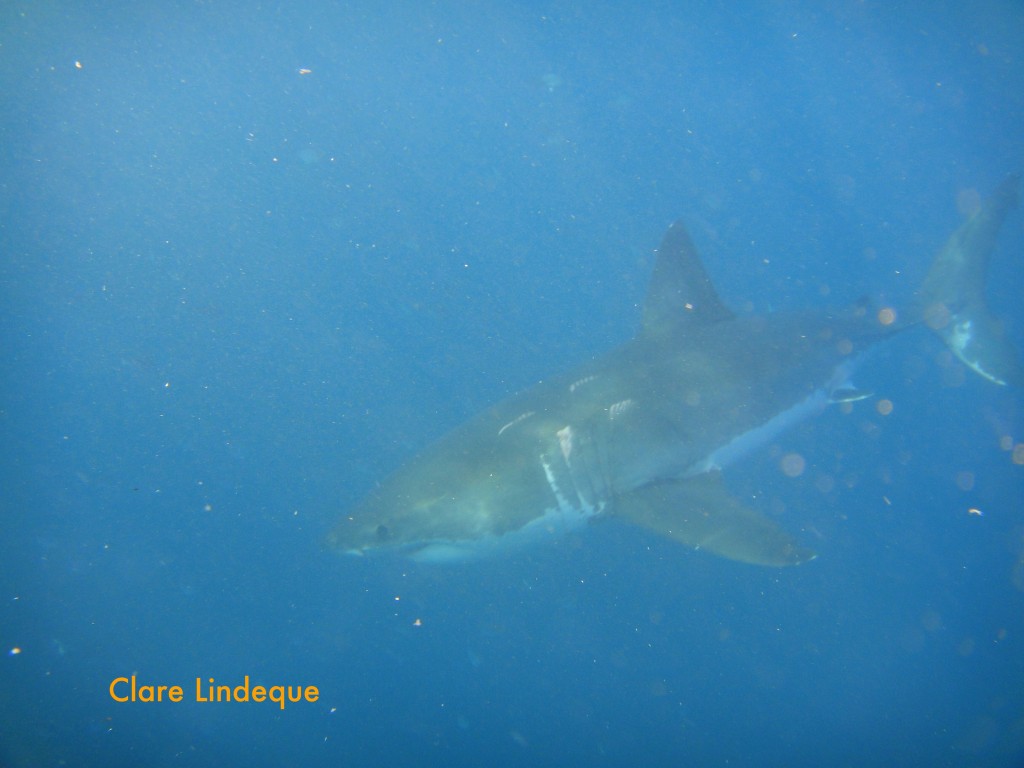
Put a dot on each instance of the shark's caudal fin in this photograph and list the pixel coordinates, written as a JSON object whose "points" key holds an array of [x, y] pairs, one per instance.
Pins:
{"points": [[952, 298]]}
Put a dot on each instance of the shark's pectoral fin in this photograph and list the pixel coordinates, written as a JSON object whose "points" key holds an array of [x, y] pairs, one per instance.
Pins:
{"points": [[699, 513]]}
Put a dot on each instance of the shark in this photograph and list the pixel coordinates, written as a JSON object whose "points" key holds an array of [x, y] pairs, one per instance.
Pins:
{"points": [[644, 432]]}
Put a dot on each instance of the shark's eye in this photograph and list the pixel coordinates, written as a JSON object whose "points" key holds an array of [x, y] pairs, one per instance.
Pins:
{"points": [[382, 532]]}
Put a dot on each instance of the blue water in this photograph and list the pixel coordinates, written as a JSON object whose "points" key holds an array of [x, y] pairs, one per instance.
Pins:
{"points": [[234, 296]]}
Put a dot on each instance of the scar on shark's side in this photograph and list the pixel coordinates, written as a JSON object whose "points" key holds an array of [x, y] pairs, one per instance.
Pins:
{"points": [[644, 432]]}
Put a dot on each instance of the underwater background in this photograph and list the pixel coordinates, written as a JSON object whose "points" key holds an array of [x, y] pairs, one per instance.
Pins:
{"points": [[253, 256]]}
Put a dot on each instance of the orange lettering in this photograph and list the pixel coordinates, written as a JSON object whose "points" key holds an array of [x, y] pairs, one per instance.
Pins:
{"points": [[113, 684]]}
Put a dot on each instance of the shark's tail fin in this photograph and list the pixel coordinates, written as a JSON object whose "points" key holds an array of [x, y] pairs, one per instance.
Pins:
{"points": [[952, 298]]}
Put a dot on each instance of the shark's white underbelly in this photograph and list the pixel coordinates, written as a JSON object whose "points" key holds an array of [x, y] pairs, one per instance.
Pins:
{"points": [[553, 522], [760, 436]]}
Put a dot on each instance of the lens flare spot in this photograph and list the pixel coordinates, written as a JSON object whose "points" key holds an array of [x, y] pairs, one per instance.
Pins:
{"points": [[965, 480], [887, 316], [793, 465], [1018, 454]]}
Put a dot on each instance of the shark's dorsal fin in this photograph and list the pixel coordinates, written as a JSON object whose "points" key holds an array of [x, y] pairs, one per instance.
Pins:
{"points": [[700, 513], [681, 293]]}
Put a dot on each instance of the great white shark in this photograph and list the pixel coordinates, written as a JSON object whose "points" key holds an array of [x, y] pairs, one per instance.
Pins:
{"points": [[643, 432]]}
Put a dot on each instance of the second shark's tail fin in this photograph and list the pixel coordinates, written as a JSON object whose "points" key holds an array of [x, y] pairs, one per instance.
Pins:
{"points": [[952, 298]]}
